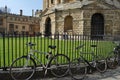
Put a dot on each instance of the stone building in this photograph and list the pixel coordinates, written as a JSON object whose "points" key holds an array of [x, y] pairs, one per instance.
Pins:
{"points": [[86, 17], [19, 23]]}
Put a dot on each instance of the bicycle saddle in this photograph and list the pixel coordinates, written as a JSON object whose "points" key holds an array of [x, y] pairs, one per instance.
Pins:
{"points": [[52, 47], [79, 46], [93, 45]]}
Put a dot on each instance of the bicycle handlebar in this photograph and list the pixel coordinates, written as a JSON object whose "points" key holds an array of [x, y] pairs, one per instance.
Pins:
{"points": [[30, 44]]}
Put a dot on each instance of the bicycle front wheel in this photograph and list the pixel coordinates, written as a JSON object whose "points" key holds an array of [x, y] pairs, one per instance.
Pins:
{"points": [[78, 69], [112, 60], [101, 64], [59, 65], [22, 68]]}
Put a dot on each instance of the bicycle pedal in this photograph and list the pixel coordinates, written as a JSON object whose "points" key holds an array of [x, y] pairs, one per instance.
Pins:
{"points": [[90, 71], [57, 64]]}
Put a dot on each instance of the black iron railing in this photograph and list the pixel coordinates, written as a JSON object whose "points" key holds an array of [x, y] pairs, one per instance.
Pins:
{"points": [[13, 46]]}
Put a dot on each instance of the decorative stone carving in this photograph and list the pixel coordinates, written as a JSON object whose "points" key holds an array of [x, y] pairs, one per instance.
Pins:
{"points": [[116, 3]]}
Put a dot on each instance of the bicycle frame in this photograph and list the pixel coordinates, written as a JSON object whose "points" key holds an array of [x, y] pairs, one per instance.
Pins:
{"points": [[116, 51], [92, 53], [31, 54], [93, 60], [81, 64], [29, 63]]}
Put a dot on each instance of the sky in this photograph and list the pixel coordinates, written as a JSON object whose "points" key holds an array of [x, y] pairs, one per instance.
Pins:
{"points": [[26, 5]]}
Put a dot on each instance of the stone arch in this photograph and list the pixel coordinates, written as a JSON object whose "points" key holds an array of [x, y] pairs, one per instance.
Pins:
{"points": [[48, 26], [68, 24], [97, 26]]}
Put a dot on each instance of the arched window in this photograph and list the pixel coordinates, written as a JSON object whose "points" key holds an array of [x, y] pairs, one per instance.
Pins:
{"points": [[48, 27], [67, 1], [1, 21], [52, 1], [97, 26], [59, 1], [68, 24]]}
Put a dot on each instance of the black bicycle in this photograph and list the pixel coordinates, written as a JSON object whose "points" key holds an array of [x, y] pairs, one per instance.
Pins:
{"points": [[24, 67], [112, 58], [79, 65]]}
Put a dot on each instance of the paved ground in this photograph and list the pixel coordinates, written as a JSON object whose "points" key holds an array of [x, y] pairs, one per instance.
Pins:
{"points": [[113, 74], [110, 74]]}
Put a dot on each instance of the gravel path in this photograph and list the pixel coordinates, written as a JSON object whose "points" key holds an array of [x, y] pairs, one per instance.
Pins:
{"points": [[110, 74]]}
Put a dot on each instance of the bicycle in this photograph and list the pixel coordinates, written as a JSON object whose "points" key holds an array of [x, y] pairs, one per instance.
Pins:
{"points": [[27, 64], [79, 65], [112, 58]]}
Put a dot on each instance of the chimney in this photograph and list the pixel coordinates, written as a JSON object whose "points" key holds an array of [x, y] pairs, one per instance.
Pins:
{"points": [[5, 9], [21, 12], [32, 13]]}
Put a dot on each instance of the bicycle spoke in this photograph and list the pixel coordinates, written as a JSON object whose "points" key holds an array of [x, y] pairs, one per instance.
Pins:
{"points": [[24, 71], [59, 68]]}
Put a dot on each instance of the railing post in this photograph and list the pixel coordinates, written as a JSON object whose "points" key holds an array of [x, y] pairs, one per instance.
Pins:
{"points": [[4, 67], [119, 58]]}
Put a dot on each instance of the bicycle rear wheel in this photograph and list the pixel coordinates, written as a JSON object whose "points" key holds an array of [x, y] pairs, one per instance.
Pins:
{"points": [[78, 69], [59, 65], [101, 64], [112, 60], [22, 68]]}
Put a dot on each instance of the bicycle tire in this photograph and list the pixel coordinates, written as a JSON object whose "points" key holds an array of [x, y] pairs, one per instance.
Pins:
{"points": [[59, 65], [112, 60], [20, 71], [78, 69], [101, 64]]}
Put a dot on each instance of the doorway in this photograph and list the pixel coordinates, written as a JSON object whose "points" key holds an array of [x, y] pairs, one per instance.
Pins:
{"points": [[48, 27]]}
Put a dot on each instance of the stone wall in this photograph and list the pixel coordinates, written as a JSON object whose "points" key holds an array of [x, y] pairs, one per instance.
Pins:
{"points": [[82, 18], [77, 16]]}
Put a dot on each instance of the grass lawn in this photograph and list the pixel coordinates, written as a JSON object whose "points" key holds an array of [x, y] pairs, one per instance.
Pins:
{"points": [[14, 47]]}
